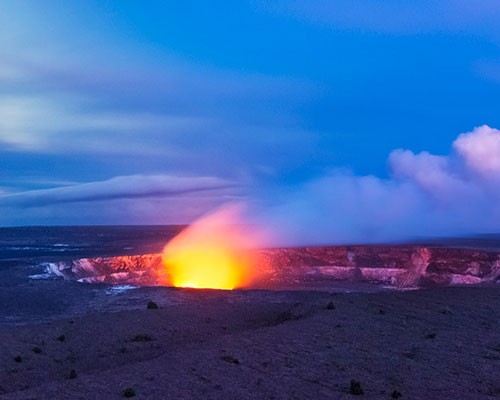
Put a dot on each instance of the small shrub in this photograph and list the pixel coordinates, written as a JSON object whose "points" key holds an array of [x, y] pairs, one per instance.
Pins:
{"points": [[355, 388], [284, 317], [37, 350], [142, 338], [61, 338], [412, 353], [230, 359], [128, 393], [72, 374], [152, 305], [18, 359], [330, 306]]}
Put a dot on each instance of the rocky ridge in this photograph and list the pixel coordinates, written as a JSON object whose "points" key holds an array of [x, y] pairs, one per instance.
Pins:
{"points": [[393, 265]]}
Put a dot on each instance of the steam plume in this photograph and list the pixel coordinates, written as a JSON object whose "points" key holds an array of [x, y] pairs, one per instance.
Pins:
{"points": [[426, 195]]}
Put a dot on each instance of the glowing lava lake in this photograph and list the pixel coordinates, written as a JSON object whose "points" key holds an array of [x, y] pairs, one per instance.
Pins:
{"points": [[213, 253]]}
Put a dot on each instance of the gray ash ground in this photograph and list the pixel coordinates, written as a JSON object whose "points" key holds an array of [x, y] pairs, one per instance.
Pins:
{"points": [[67, 340], [426, 344]]}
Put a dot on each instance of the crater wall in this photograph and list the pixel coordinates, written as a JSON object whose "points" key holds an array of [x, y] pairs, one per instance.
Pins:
{"points": [[399, 266]]}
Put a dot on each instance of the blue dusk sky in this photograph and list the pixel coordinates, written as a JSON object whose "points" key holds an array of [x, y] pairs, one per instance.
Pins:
{"points": [[133, 112]]}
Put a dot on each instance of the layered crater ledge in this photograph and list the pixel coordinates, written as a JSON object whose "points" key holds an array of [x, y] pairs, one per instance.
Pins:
{"points": [[403, 266]]}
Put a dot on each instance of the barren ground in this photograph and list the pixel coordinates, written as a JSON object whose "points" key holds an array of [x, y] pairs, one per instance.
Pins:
{"points": [[426, 344]]}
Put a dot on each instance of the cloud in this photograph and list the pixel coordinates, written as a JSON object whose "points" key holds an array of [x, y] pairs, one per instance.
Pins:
{"points": [[427, 195], [56, 125], [121, 187], [76, 89], [480, 150], [428, 171]]}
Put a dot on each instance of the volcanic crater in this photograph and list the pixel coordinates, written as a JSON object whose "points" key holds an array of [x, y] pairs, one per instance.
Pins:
{"points": [[399, 266]]}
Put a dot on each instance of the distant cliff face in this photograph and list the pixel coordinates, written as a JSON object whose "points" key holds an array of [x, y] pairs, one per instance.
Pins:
{"points": [[399, 266], [144, 270]]}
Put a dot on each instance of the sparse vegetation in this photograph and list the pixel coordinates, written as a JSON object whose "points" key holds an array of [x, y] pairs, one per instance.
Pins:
{"points": [[128, 393], [430, 335], [283, 317], [355, 388], [412, 353], [152, 305], [142, 338], [230, 359]]}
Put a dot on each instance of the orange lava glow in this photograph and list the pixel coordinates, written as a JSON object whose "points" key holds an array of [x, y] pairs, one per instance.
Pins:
{"points": [[212, 253]]}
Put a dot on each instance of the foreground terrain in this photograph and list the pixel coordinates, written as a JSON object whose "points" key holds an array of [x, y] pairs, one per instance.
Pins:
{"points": [[423, 344]]}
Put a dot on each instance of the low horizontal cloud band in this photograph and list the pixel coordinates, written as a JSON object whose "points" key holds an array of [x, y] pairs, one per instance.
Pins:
{"points": [[121, 187]]}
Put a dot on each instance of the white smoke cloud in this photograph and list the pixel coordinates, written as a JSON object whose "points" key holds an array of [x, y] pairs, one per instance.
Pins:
{"points": [[480, 149], [427, 195]]}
